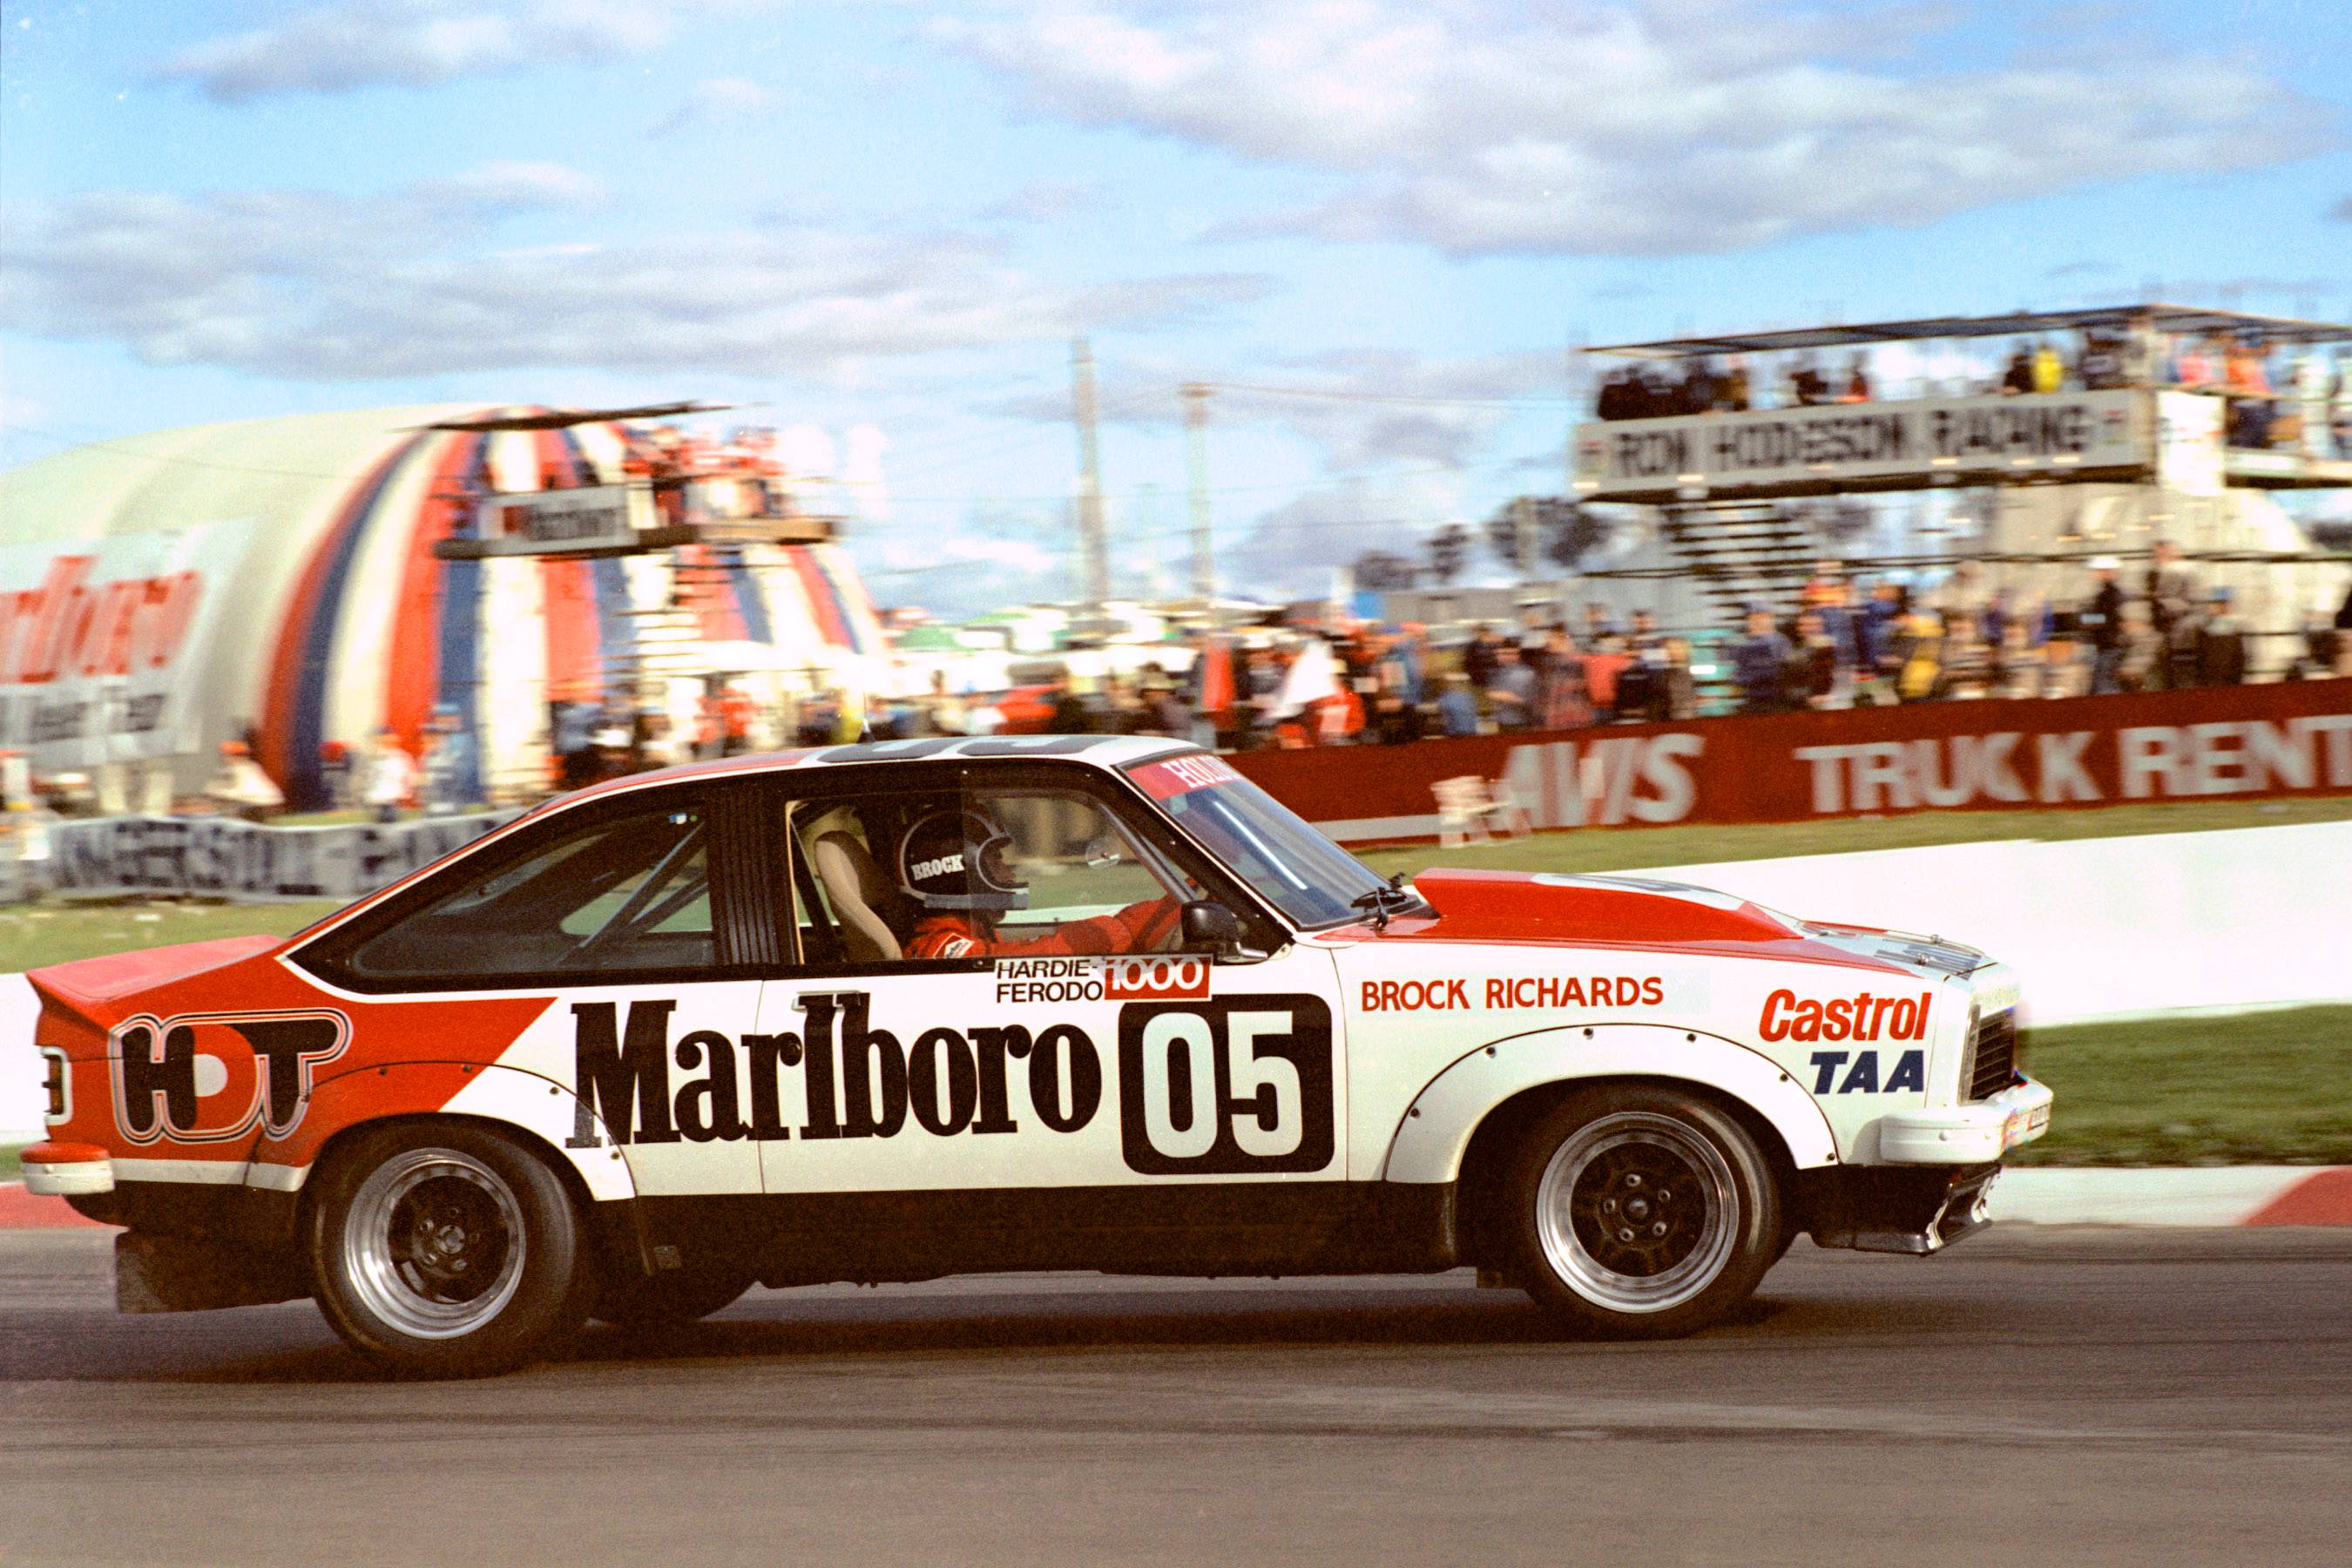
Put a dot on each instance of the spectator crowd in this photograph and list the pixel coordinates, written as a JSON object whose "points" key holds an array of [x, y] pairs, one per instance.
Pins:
{"points": [[2273, 393]]}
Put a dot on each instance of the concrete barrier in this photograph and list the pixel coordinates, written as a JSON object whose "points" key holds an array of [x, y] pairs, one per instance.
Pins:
{"points": [[2101, 928]]}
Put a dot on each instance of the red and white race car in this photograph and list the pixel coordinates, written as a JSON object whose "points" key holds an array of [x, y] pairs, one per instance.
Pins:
{"points": [[897, 1010]]}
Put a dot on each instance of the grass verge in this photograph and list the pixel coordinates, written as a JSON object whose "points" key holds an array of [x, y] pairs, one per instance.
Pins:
{"points": [[1629, 848], [2242, 1090], [60, 929]]}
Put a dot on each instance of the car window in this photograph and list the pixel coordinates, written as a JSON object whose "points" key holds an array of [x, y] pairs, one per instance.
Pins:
{"points": [[623, 894], [919, 875]]}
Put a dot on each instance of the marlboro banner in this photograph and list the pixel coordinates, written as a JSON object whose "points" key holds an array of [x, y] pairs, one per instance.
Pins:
{"points": [[2290, 739], [103, 642]]}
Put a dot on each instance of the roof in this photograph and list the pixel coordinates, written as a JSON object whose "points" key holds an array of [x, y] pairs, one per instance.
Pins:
{"points": [[2190, 319], [1095, 750]]}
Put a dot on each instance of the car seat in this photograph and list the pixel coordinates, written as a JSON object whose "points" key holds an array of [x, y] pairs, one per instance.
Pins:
{"points": [[863, 896]]}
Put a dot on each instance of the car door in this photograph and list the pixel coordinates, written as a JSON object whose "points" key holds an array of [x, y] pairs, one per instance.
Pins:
{"points": [[1011, 1051], [640, 920]]}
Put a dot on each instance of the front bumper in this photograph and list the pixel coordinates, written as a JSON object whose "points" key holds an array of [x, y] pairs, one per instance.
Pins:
{"points": [[1967, 1134], [1912, 1209], [67, 1170]]}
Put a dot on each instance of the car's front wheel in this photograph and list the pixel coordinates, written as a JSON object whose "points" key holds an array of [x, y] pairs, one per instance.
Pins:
{"points": [[1640, 1212], [444, 1249]]}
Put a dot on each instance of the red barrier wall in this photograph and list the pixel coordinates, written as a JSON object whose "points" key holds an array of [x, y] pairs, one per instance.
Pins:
{"points": [[2292, 738]]}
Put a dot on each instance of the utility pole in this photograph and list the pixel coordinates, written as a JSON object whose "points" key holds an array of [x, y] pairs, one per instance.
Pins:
{"points": [[1196, 443], [1523, 524], [1143, 536], [1094, 553]]}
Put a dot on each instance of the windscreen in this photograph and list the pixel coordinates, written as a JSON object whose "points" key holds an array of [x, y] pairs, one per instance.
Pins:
{"points": [[1298, 871]]}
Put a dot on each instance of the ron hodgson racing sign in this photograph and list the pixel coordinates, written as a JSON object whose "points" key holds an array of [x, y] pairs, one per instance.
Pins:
{"points": [[1846, 441]]}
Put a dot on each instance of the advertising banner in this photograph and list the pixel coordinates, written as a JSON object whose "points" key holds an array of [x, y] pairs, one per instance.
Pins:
{"points": [[223, 857], [2293, 738], [1845, 443], [101, 641], [598, 517]]}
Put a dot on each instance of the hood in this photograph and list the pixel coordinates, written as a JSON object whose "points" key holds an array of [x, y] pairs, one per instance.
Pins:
{"points": [[1516, 906], [1636, 912], [85, 986]]}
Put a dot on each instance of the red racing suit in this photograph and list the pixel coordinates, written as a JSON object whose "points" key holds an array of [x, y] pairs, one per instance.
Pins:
{"points": [[1136, 927]]}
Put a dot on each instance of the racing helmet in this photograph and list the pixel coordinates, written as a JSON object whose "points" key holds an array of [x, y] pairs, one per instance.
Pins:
{"points": [[951, 858]]}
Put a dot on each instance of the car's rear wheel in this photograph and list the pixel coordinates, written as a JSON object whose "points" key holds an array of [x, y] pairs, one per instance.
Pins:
{"points": [[443, 1249], [1640, 1212], [637, 1302]]}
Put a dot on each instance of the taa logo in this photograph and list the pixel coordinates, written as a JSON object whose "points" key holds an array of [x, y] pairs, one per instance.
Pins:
{"points": [[1236, 1086], [208, 1078], [1909, 1071]]}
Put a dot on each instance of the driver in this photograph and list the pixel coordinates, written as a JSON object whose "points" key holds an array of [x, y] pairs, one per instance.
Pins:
{"points": [[957, 865]]}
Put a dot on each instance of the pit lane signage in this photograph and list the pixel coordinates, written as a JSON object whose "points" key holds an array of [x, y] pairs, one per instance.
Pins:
{"points": [[1977, 436]]}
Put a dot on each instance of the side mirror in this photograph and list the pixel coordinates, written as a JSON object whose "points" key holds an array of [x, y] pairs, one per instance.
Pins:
{"points": [[1210, 927]]}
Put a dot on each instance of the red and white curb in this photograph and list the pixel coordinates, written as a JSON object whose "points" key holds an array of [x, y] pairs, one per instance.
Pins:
{"points": [[2164, 1194], [2034, 1194]]}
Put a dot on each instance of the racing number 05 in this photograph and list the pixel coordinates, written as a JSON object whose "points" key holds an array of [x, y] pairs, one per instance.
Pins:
{"points": [[1239, 1085]]}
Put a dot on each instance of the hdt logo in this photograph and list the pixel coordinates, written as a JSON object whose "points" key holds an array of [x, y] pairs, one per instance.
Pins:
{"points": [[208, 1078]]}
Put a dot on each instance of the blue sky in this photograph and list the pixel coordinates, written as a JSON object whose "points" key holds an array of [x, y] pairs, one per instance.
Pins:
{"points": [[895, 215]]}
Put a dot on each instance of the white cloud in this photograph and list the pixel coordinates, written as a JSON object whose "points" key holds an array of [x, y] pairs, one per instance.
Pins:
{"points": [[308, 286], [716, 99], [421, 43], [1043, 201], [1358, 407], [1631, 127]]}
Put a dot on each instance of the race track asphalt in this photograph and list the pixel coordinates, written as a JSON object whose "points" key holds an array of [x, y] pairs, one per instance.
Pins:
{"points": [[2044, 1395]]}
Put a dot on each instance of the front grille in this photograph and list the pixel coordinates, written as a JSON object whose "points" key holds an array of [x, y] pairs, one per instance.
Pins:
{"points": [[1992, 1055]]}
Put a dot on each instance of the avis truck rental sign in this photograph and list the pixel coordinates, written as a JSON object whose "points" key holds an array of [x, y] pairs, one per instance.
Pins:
{"points": [[886, 1012]]}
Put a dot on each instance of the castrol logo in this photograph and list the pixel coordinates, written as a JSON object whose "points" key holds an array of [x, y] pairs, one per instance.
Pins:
{"points": [[1151, 979]]}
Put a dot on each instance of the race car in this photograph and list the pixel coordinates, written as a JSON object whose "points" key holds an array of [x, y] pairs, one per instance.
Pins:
{"points": [[891, 1011]]}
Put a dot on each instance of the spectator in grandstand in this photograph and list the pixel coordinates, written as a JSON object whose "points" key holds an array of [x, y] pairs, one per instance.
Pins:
{"points": [[1816, 676], [1759, 661], [1070, 714], [2248, 383], [240, 788], [2101, 621], [2018, 666], [2019, 377], [1605, 663], [2065, 671], [390, 774], [1641, 694], [2220, 645], [1734, 398], [1917, 647], [1808, 387], [2139, 651], [1560, 699], [2194, 366], [1481, 656], [1857, 381], [1876, 627], [1511, 689], [1965, 661], [1457, 706], [1681, 699], [2048, 370], [2171, 600]]}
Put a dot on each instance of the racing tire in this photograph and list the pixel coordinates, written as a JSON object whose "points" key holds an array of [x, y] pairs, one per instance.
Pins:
{"points": [[442, 1250], [640, 1303], [1640, 1213]]}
